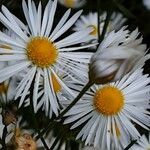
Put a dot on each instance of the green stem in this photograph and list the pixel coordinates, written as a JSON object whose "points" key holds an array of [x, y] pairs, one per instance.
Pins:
{"points": [[54, 144], [131, 144], [108, 17], [51, 125], [4, 137], [86, 87], [33, 116]]}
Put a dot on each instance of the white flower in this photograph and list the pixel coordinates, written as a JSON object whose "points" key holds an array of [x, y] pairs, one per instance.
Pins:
{"points": [[39, 50], [119, 53], [109, 112], [146, 3], [72, 3], [142, 144], [91, 20]]}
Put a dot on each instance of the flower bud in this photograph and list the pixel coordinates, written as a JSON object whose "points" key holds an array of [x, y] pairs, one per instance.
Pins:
{"points": [[119, 53]]}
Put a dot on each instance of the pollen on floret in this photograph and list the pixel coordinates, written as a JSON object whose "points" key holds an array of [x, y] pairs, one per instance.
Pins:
{"points": [[3, 88], [94, 31], [41, 52], [56, 84], [109, 100], [69, 3]]}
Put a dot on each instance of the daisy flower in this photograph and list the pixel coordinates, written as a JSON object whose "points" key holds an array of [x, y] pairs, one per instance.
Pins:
{"points": [[142, 144], [72, 3], [91, 20], [39, 49], [119, 53], [109, 112]]}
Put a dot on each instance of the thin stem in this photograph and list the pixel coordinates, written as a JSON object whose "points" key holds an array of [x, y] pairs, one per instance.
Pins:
{"points": [[54, 144], [51, 125], [33, 116], [131, 144], [4, 137], [86, 87], [108, 17]]}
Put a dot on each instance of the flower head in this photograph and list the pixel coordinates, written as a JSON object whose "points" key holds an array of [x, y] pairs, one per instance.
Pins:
{"points": [[37, 49], [119, 53], [72, 3], [90, 20], [109, 112]]}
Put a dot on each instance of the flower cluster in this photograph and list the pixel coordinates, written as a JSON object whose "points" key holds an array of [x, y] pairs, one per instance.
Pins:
{"points": [[44, 68]]}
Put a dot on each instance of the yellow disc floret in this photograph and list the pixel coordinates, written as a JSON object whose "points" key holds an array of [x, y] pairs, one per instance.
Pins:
{"points": [[69, 3], [56, 84], [95, 30], [41, 52], [3, 88], [108, 100]]}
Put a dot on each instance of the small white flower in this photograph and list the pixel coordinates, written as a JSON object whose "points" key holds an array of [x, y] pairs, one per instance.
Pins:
{"points": [[72, 3], [109, 112], [91, 20], [38, 50], [119, 53], [146, 4]]}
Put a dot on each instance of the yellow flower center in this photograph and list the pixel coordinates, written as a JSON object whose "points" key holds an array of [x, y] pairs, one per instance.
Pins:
{"points": [[56, 85], [41, 52], [108, 100], [3, 88], [95, 30], [69, 3]]}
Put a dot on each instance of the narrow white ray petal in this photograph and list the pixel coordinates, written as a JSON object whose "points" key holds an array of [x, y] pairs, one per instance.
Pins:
{"points": [[39, 14], [32, 17], [131, 129], [61, 23], [45, 17], [26, 13], [12, 69], [52, 87], [23, 83], [67, 25], [77, 36], [90, 124], [63, 84], [92, 131], [27, 87], [123, 53], [35, 91], [82, 132], [51, 18], [21, 24], [11, 23], [49, 93], [82, 120], [114, 130], [136, 120], [5, 38], [76, 48], [7, 51], [108, 132], [12, 57], [98, 133]]}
